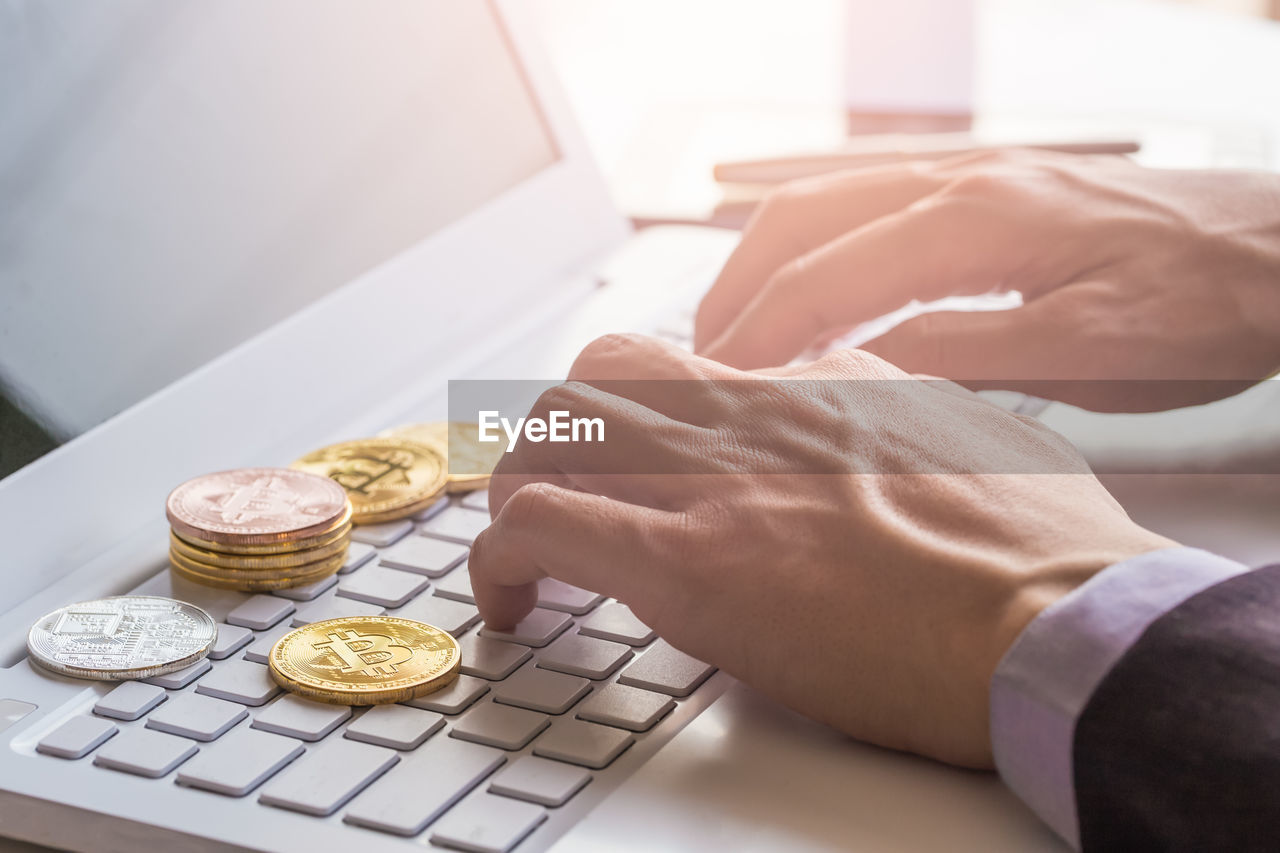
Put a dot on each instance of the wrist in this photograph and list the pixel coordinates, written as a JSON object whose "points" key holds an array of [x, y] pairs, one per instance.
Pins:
{"points": [[1050, 580]]}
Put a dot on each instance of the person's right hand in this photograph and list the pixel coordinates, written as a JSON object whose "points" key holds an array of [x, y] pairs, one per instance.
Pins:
{"points": [[858, 544], [1126, 273]]}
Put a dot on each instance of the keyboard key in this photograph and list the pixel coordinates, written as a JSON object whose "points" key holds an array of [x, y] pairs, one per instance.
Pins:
{"points": [[457, 524], [330, 606], [479, 501], [130, 700], [143, 752], [259, 651], [537, 780], [77, 737], [456, 586], [309, 591], [487, 824], [322, 781], [452, 617], [216, 602], [181, 678], [239, 762], [491, 659], [424, 514], [230, 639], [430, 557], [379, 585], [395, 726], [260, 612], [500, 726], [626, 707], [428, 781], [557, 595], [358, 554], [582, 743], [455, 698], [665, 669], [541, 690], [537, 629], [584, 656], [382, 535], [239, 681], [197, 717], [301, 718], [616, 622]]}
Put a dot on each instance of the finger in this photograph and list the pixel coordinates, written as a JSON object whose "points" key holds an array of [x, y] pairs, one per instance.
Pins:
{"points": [[938, 247], [606, 546], [798, 219], [1055, 347], [969, 345]]}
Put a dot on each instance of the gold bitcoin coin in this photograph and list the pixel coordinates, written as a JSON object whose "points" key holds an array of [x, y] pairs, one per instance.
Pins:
{"points": [[385, 478], [267, 585], [292, 560], [248, 580], [470, 461], [339, 531], [365, 660], [404, 512], [327, 565]]}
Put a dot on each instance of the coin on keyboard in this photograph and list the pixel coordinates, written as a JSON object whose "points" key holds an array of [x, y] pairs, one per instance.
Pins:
{"points": [[267, 562], [365, 660], [385, 478], [470, 461], [308, 573], [339, 533], [256, 506], [120, 638]]}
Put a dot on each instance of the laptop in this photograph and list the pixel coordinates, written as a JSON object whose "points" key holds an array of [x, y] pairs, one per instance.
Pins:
{"points": [[256, 229]]}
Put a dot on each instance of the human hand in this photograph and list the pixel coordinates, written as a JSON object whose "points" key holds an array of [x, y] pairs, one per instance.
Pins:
{"points": [[858, 544], [1126, 273]]}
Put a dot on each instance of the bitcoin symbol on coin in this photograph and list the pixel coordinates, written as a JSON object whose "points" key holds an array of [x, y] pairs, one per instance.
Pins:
{"points": [[371, 655], [366, 472], [263, 498], [365, 660]]}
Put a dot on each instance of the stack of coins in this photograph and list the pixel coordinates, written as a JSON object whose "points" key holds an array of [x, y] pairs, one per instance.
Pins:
{"points": [[470, 461], [385, 478], [365, 660], [258, 529]]}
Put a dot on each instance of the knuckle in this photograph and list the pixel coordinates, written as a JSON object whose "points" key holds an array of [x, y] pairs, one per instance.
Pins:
{"points": [[527, 505], [606, 349], [567, 395], [856, 364], [781, 199], [857, 360]]}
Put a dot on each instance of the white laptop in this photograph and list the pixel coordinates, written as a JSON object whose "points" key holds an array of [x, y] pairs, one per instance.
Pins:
{"points": [[238, 231]]}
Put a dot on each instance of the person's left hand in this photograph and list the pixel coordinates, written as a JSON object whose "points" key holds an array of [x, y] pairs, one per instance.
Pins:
{"points": [[861, 545]]}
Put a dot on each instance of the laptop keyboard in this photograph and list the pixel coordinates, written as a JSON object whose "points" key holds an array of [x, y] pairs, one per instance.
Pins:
{"points": [[537, 712]]}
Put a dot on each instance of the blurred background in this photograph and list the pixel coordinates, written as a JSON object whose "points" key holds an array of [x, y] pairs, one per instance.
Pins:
{"points": [[667, 89]]}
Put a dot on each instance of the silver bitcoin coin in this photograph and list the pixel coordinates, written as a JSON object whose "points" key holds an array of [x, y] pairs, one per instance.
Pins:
{"points": [[119, 638]]}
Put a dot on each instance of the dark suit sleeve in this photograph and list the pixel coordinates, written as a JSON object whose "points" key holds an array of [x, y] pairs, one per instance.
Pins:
{"points": [[1179, 746]]}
